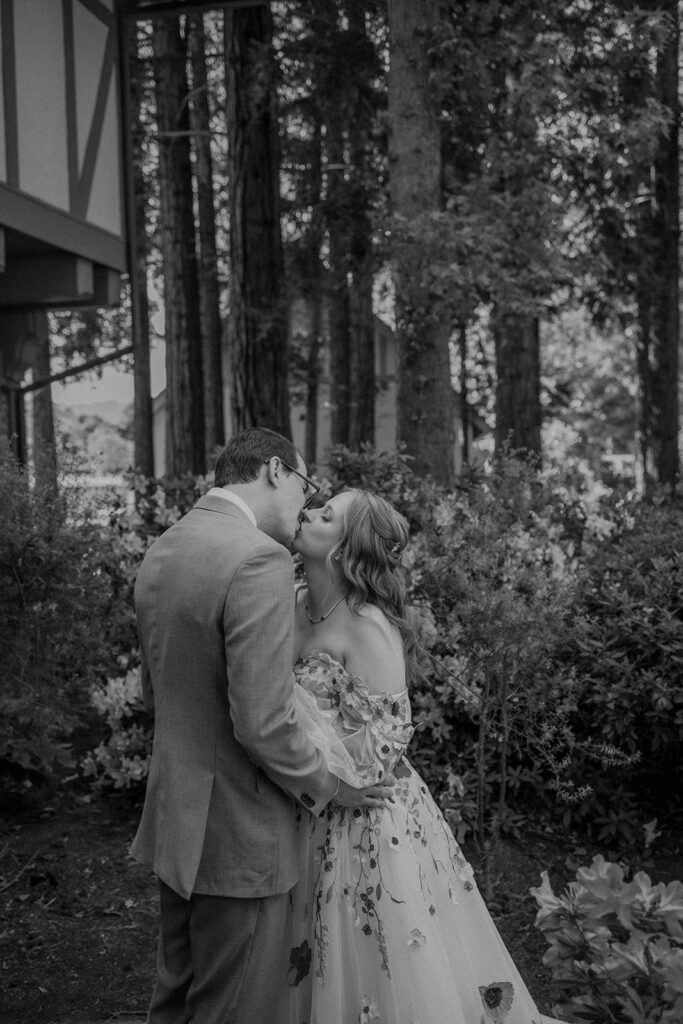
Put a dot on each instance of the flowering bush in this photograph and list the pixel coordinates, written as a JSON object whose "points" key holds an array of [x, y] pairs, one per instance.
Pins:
{"points": [[121, 761], [54, 596], [550, 617], [615, 946], [551, 610]]}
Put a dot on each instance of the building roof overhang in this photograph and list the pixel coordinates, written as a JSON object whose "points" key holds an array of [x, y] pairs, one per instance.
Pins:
{"points": [[149, 8]]}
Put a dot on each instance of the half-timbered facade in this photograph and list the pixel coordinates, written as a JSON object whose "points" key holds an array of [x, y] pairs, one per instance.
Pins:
{"points": [[62, 230]]}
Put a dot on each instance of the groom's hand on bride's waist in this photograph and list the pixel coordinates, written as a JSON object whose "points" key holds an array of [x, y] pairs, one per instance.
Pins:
{"points": [[379, 795]]}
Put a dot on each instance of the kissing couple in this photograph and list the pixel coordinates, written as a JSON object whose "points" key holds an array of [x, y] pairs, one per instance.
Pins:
{"points": [[306, 875]]}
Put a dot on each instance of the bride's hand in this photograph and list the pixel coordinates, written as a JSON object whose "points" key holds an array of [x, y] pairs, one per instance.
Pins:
{"points": [[380, 795]]}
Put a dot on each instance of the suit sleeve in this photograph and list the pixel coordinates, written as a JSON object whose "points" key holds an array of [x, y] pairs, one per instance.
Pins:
{"points": [[258, 627]]}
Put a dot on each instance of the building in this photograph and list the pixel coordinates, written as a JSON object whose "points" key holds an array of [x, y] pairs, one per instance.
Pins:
{"points": [[62, 223]]}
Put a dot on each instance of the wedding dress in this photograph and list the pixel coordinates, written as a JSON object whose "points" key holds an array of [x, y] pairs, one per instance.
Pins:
{"points": [[387, 924]]}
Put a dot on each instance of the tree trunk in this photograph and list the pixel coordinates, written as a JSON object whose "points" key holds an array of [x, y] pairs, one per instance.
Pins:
{"points": [[426, 421], [208, 260], [257, 325], [643, 346], [464, 399], [143, 445], [518, 394], [44, 454], [338, 286], [184, 384], [361, 265], [316, 293], [362, 363], [666, 313]]}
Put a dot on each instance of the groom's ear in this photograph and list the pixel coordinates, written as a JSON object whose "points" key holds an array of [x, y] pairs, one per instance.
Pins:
{"points": [[271, 470]]}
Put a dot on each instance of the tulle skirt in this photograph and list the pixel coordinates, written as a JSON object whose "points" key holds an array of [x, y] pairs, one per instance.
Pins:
{"points": [[387, 924]]}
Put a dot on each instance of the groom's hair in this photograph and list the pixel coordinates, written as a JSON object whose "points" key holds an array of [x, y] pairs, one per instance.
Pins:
{"points": [[245, 453]]}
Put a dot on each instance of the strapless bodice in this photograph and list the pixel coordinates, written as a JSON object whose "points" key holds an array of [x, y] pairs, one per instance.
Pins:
{"points": [[375, 728]]}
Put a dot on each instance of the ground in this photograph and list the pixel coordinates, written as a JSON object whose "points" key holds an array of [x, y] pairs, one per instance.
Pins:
{"points": [[78, 929]]}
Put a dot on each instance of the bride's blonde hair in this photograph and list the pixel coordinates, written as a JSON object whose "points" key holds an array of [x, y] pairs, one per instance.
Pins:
{"points": [[369, 551]]}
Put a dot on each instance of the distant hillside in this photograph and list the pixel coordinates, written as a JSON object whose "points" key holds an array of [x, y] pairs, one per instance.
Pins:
{"points": [[99, 432], [116, 413]]}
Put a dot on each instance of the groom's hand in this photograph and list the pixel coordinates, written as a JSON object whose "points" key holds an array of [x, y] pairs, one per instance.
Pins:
{"points": [[380, 795]]}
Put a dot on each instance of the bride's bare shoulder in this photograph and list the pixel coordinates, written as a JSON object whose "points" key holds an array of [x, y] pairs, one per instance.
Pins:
{"points": [[375, 650]]}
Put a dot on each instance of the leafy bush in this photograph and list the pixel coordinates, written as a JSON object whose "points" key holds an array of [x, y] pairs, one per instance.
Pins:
{"points": [[627, 650], [53, 597], [487, 571], [615, 946], [552, 614], [551, 619], [121, 761]]}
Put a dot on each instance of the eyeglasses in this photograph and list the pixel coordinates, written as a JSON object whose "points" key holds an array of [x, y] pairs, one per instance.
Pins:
{"points": [[309, 483]]}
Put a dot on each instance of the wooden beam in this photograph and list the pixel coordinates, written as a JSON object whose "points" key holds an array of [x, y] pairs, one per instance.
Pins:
{"points": [[107, 284], [142, 9], [72, 371], [59, 280]]}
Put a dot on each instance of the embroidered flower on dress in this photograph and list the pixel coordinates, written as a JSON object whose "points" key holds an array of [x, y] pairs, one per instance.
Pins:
{"points": [[497, 999], [417, 939], [300, 963], [369, 1014], [466, 875]]}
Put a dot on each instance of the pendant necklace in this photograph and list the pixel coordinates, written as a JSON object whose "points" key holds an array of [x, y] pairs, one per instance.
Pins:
{"points": [[314, 622]]}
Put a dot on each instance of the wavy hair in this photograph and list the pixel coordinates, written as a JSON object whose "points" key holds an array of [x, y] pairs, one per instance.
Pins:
{"points": [[369, 551]]}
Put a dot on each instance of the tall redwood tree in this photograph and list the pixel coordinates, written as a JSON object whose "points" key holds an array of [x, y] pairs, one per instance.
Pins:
{"points": [[257, 322]]}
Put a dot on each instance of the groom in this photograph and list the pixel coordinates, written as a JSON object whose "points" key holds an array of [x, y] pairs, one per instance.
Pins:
{"points": [[214, 601]]}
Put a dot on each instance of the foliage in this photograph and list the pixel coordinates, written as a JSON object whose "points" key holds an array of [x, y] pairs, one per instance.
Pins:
{"points": [[616, 946], [551, 613], [121, 758], [121, 761], [627, 650], [54, 594], [485, 571]]}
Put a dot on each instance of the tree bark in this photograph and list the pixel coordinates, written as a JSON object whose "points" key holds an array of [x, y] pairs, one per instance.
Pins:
{"points": [[209, 308], [143, 445], [44, 453], [426, 420], [315, 276], [257, 323], [667, 272], [361, 265], [185, 452], [464, 397], [338, 286], [518, 394]]}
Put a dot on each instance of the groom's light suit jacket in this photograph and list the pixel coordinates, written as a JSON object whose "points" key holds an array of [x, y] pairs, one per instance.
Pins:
{"points": [[214, 601]]}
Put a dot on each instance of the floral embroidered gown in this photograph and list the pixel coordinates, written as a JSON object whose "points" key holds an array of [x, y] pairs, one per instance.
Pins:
{"points": [[387, 924]]}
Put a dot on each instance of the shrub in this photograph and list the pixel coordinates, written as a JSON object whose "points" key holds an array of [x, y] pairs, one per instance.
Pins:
{"points": [[121, 760], [487, 571], [615, 946], [554, 629], [53, 597], [627, 650]]}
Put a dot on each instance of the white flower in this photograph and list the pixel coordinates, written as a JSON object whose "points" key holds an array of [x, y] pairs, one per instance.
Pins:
{"points": [[417, 939], [369, 1013]]}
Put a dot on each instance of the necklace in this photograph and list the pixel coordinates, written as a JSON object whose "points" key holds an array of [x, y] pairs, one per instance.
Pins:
{"points": [[314, 622]]}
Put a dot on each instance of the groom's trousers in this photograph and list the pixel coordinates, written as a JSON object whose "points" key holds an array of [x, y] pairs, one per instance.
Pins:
{"points": [[221, 960]]}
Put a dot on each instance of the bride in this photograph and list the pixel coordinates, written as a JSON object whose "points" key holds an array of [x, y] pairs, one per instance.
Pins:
{"points": [[387, 924]]}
